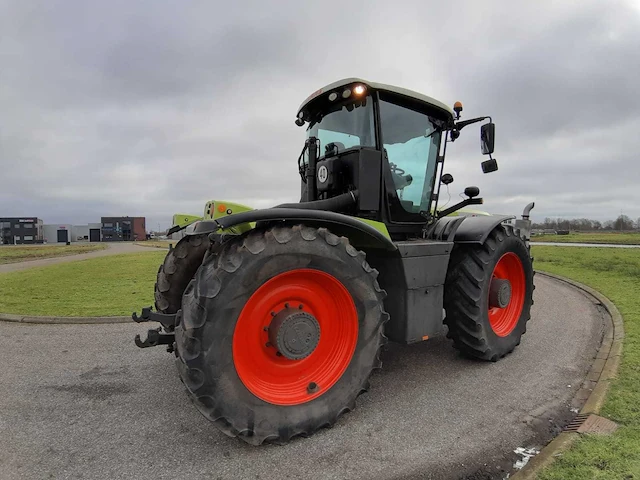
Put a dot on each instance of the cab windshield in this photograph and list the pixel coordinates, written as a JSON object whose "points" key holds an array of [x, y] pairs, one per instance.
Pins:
{"points": [[411, 140], [346, 126]]}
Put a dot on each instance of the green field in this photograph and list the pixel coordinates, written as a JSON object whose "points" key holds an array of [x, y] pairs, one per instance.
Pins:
{"points": [[105, 286], [13, 254], [616, 274], [615, 238]]}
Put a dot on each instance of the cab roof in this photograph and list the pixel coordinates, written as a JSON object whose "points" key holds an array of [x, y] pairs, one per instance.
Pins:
{"points": [[381, 87]]}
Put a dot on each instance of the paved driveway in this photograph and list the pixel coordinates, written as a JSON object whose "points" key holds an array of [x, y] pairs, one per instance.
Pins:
{"points": [[84, 402]]}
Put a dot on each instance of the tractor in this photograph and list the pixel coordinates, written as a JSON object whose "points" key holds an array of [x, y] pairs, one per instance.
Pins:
{"points": [[277, 316]]}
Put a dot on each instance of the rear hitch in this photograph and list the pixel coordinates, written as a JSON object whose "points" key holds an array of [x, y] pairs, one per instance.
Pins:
{"points": [[155, 338], [168, 321]]}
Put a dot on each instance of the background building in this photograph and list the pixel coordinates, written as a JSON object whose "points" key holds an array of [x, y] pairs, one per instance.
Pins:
{"points": [[63, 233], [20, 230], [57, 233], [91, 232], [123, 229], [25, 230]]}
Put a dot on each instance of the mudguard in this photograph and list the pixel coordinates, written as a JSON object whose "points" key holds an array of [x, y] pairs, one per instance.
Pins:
{"points": [[465, 229], [182, 221], [213, 209], [360, 233]]}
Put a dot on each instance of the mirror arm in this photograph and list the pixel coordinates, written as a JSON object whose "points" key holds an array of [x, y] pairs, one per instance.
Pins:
{"points": [[464, 123], [458, 206]]}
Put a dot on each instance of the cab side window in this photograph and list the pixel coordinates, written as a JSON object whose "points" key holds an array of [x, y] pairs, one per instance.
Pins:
{"points": [[411, 143]]}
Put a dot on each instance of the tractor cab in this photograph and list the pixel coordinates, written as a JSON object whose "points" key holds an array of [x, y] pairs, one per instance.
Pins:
{"points": [[382, 142]]}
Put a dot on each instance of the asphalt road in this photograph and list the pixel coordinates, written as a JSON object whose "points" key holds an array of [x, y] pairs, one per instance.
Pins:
{"points": [[81, 401]]}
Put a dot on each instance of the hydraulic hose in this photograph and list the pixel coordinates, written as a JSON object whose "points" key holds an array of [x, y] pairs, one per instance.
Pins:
{"points": [[334, 204]]}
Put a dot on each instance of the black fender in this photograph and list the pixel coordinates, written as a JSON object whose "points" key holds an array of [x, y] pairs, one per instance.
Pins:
{"points": [[466, 229], [360, 234]]}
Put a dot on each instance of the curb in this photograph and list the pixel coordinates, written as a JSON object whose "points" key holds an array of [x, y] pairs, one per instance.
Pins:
{"points": [[5, 317], [603, 371]]}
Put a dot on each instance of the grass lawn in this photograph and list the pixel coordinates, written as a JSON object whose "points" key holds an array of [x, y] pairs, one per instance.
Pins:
{"points": [[13, 254], [105, 286], [616, 274], [631, 238]]}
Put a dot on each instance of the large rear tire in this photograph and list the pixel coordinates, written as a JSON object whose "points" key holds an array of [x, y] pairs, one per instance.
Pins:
{"points": [[485, 315], [177, 270], [280, 332]]}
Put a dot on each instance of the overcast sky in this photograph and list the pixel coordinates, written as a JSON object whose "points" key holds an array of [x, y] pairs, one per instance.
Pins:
{"points": [[154, 107]]}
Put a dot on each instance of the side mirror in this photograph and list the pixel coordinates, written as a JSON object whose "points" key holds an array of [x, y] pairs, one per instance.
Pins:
{"points": [[489, 166], [487, 137], [472, 192]]}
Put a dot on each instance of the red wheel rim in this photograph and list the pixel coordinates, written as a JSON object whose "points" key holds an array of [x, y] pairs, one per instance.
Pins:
{"points": [[504, 320], [279, 380]]}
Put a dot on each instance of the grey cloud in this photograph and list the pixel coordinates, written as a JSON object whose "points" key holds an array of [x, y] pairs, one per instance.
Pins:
{"points": [[151, 108], [574, 74]]}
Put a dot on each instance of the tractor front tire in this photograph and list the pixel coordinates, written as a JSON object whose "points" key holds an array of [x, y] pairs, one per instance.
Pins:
{"points": [[279, 333], [177, 270], [488, 295]]}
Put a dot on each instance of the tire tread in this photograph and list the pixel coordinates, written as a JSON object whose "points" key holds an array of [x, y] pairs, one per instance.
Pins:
{"points": [[228, 262], [463, 294], [174, 274]]}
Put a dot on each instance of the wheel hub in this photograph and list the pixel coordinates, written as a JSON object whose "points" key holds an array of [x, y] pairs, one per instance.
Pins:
{"points": [[499, 293], [294, 333]]}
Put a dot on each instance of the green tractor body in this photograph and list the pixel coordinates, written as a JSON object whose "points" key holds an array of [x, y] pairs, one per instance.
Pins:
{"points": [[277, 316]]}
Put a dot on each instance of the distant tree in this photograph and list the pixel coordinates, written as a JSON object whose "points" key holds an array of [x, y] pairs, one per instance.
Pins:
{"points": [[623, 222]]}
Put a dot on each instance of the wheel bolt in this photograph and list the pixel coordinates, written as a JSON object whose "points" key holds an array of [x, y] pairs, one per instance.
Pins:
{"points": [[300, 306], [312, 387], [286, 305]]}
